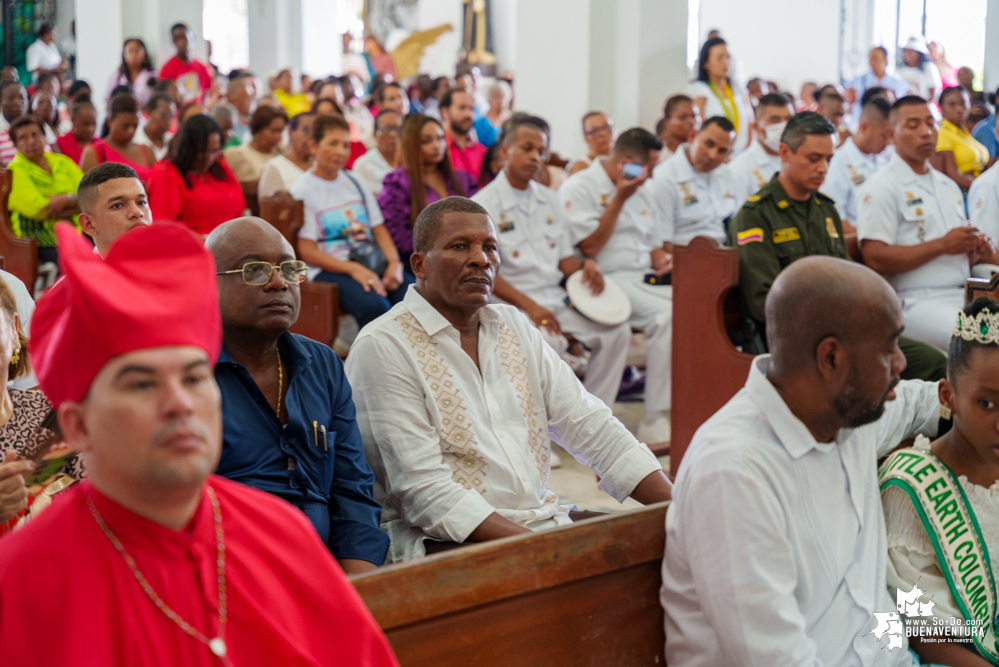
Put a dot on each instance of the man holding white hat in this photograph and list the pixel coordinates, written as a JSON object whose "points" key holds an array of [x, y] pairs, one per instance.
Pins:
{"points": [[536, 253]]}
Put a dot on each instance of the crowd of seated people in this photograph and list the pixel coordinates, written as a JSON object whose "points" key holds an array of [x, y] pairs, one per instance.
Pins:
{"points": [[857, 215]]}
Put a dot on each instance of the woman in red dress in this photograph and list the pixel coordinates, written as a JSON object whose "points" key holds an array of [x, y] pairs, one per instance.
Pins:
{"points": [[117, 146], [193, 184], [84, 117]]}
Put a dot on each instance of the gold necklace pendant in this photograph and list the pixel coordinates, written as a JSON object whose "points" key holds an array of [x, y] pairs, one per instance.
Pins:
{"points": [[280, 386], [217, 644]]}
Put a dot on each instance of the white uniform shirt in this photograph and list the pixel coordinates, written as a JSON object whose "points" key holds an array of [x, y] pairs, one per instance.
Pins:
{"points": [[848, 170], [372, 167], [638, 231], [450, 445], [900, 207], [693, 203], [775, 543], [750, 171], [983, 202], [532, 241]]}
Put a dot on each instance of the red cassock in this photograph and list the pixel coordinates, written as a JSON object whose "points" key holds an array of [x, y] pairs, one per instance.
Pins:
{"points": [[67, 596]]}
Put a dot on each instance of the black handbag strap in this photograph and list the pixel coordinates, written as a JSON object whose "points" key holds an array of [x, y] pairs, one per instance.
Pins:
{"points": [[364, 200]]}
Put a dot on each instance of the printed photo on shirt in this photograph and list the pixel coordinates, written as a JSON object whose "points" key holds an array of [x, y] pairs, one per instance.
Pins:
{"points": [[343, 227]]}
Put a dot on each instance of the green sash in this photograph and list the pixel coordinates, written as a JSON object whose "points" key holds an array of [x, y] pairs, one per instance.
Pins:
{"points": [[953, 529]]}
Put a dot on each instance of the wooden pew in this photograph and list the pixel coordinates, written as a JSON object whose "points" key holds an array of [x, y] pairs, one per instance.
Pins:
{"points": [[707, 369], [285, 213], [976, 287], [319, 316], [20, 254], [582, 595]]}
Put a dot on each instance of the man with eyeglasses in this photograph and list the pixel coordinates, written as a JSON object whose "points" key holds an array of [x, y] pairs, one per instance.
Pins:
{"points": [[382, 158], [288, 420], [598, 132]]}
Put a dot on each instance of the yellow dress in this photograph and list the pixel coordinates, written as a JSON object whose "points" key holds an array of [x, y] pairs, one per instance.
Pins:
{"points": [[971, 156], [293, 103], [31, 190]]}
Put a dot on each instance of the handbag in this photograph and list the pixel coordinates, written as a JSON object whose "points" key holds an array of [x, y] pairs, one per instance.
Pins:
{"points": [[369, 255]]}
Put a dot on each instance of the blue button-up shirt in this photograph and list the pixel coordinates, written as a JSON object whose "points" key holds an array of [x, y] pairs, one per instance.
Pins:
{"points": [[329, 480]]}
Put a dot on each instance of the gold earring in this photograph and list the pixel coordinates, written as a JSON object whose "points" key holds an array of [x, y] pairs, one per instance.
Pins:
{"points": [[16, 357], [945, 412]]}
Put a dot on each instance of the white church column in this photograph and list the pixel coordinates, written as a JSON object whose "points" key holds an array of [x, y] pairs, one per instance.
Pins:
{"points": [[991, 74], [98, 43], [553, 67], [276, 31]]}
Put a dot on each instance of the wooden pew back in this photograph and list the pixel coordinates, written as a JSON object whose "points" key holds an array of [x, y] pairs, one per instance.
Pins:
{"points": [[319, 316], [976, 287], [582, 595], [286, 214], [707, 369], [20, 254]]}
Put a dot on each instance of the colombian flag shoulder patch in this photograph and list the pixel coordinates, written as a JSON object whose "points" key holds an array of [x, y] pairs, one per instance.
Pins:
{"points": [[750, 235]]}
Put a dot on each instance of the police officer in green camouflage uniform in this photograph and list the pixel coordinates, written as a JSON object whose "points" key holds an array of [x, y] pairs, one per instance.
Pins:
{"points": [[788, 219]]}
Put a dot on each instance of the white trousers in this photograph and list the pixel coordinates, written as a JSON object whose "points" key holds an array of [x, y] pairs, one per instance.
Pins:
{"points": [[652, 312], [930, 314], [608, 348]]}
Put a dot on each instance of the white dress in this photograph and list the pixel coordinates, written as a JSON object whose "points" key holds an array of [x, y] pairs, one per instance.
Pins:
{"points": [[910, 553]]}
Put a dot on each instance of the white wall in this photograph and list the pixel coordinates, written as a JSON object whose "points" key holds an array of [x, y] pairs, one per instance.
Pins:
{"points": [[440, 57], [553, 78], [322, 48], [276, 35], [98, 43], [504, 29], [991, 77], [787, 41], [661, 57]]}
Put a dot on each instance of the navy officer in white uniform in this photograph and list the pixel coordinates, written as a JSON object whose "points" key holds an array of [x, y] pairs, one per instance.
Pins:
{"points": [[693, 186], [912, 228], [613, 217], [536, 253], [859, 158], [754, 167]]}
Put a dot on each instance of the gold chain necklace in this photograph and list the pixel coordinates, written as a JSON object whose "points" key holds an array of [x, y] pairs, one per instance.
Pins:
{"points": [[280, 385], [216, 644]]}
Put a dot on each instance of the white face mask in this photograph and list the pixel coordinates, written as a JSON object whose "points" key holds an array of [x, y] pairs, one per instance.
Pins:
{"points": [[771, 137]]}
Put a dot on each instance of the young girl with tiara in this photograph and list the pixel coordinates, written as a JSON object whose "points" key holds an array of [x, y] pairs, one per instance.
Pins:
{"points": [[941, 504]]}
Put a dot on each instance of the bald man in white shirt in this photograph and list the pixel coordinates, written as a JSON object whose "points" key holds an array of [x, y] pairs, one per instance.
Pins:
{"points": [[776, 551]]}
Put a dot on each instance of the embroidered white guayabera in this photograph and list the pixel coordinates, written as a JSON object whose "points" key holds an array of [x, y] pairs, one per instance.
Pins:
{"points": [[451, 443]]}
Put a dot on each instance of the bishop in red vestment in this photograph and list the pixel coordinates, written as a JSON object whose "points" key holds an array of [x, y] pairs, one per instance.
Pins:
{"points": [[153, 560]]}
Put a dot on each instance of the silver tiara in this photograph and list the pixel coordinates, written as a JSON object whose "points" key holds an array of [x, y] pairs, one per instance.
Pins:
{"points": [[980, 328]]}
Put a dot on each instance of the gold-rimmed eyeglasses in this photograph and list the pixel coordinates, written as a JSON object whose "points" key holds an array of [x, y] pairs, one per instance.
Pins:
{"points": [[258, 273]]}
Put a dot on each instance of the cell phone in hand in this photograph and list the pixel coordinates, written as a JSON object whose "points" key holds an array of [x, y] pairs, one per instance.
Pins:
{"points": [[631, 170]]}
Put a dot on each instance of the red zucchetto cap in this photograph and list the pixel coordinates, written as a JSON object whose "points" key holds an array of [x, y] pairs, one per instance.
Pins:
{"points": [[156, 288]]}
